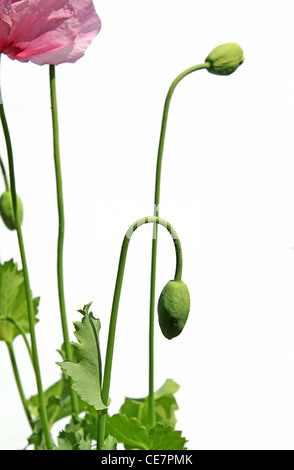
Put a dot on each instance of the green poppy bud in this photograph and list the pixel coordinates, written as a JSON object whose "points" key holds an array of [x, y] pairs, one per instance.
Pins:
{"points": [[6, 210], [173, 308], [225, 59]]}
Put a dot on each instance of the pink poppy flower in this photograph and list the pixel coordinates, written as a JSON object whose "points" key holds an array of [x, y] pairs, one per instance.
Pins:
{"points": [[47, 31]]}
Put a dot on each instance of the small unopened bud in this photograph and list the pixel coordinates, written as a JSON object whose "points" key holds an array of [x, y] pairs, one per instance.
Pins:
{"points": [[173, 308], [225, 59], [6, 210]]}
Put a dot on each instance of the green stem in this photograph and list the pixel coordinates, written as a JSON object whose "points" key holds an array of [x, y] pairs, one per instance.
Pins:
{"points": [[115, 305], [67, 346], [155, 232], [100, 432], [4, 174], [19, 385], [43, 413]]}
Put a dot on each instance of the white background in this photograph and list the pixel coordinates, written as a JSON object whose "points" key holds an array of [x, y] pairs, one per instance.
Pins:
{"points": [[227, 187]]}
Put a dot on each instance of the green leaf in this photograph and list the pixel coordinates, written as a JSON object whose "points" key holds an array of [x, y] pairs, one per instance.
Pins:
{"points": [[72, 441], [86, 373], [66, 441], [132, 408], [133, 435], [129, 431], [58, 403], [37, 438], [13, 303], [168, 388], [74, 436], [165, 406], [54, 390], [110, 443], [165, 438]]}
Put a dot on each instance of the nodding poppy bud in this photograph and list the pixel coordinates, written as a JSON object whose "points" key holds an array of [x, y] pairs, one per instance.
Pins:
{"points": [[173, 308], [225, 59], [6, 210]]}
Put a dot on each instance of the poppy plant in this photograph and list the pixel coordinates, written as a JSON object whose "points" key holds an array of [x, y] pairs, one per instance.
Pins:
{"points": [[51, 32]]}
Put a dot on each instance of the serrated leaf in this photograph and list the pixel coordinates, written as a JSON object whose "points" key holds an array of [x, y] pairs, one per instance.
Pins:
{"points": [[165, 438], [86, 372], [72, 441], [73, 437], [66, 441], [133, 435], [13, 302], [129, 431], [165, 406]]}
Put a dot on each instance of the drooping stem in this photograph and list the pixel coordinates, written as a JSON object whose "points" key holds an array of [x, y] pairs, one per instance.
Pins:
{"points": [[19, 384], [67, 346], [164, 125], [30, 308], [115, 305], [155, 232]]}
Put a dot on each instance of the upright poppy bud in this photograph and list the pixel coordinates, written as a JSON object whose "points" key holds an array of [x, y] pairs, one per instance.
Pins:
{"points": [[225, 59], [6, 210]]}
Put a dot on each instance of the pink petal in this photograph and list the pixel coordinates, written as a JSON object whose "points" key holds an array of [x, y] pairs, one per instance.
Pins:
{"points": [[5, 24], [51, 31]]}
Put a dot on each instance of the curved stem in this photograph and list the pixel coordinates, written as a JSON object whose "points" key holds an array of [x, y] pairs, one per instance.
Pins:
{"points": [[43, 413], [67, 346], [19, 385], [164, 125], [155, 232], [115, 304]]}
